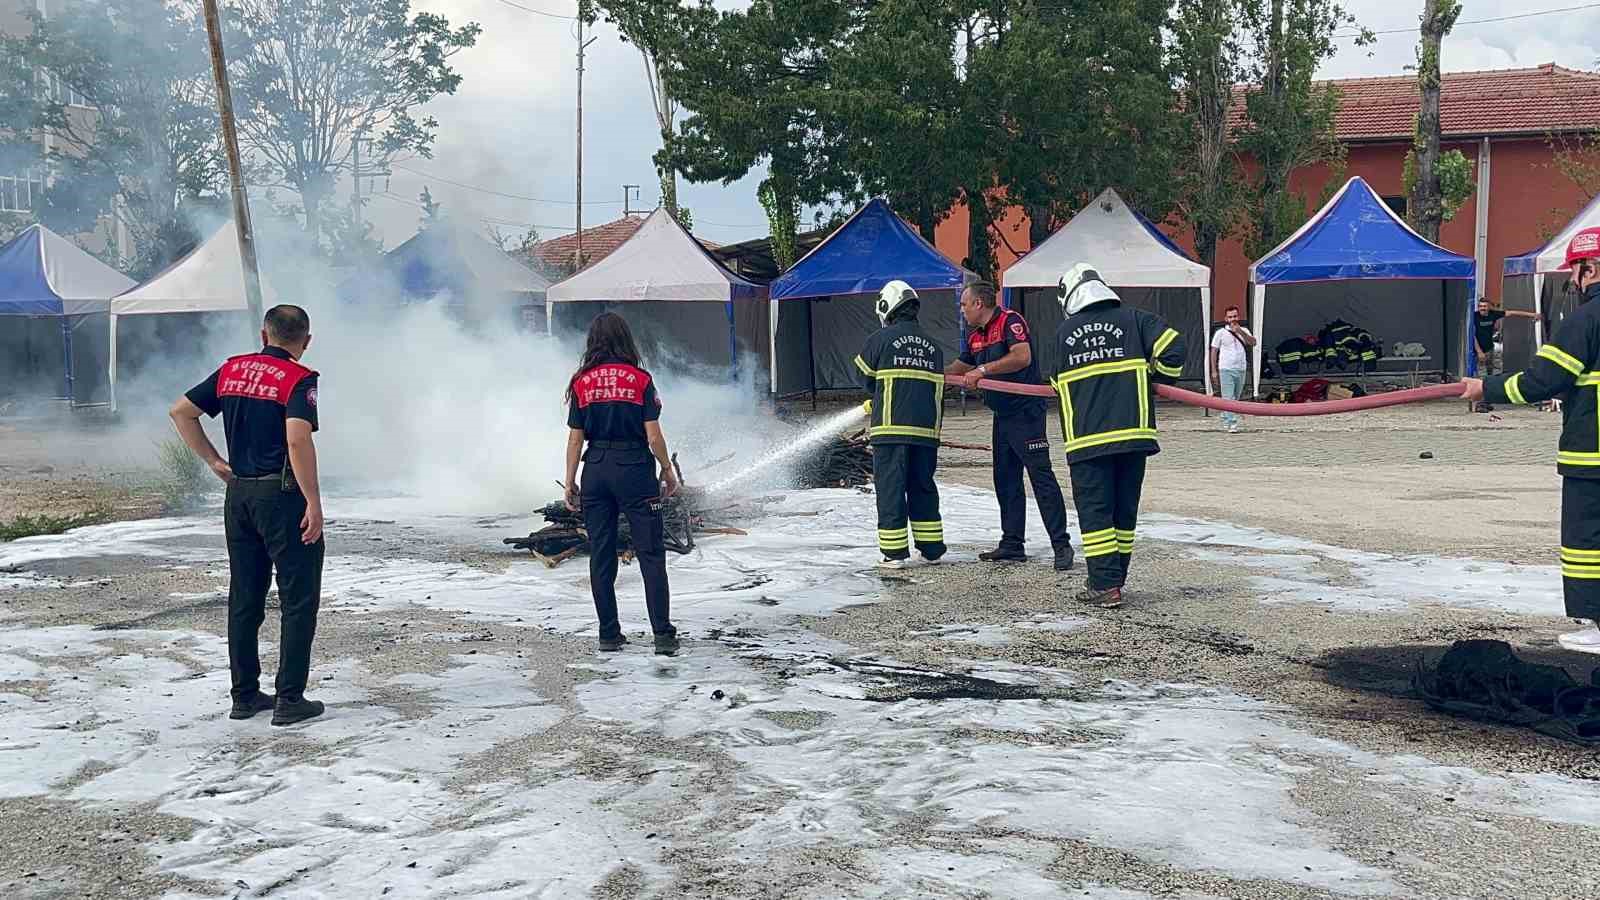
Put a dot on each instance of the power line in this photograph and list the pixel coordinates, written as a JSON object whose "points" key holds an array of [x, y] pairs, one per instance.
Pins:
{"points": [[484, 190], [1527, 15], [538, 12]]}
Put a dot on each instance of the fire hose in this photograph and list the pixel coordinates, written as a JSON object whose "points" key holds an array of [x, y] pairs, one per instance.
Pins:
{"points": [[1247, 408]]}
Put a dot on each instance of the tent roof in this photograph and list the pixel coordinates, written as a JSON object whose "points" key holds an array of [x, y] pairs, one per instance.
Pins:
{"points": [[1122, 245], [872, 248], [1552, 257], [1354, 236], [44, 274], [209, 278], [447, 257], [661, 261]]}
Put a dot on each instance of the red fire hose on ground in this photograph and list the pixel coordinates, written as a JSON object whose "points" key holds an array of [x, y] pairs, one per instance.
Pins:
{"points": [[1246, 408]]}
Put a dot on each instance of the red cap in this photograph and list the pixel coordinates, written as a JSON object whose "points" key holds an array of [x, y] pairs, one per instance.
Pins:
{"points": [[1585, 245]]}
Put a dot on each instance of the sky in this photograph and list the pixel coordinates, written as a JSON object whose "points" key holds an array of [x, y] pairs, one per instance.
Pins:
{"points": [[510, 128]]}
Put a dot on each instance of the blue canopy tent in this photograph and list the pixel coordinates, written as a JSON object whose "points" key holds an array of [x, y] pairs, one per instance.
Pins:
{"points": [[1527, 284], [50, 290], [446, 263], [822, 308], [1356, 260]]}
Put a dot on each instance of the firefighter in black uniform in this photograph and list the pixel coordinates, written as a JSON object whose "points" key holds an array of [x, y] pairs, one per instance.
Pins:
{"points": [[903, 369], [272, 514], [1109, 355], [998, 347], [613, 406], [1568, 369]]}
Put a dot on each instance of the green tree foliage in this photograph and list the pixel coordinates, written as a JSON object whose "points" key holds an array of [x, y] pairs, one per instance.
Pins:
{"points": [[1436, 183], [1209, 57], [313, 76], [648, 25], [1289, 117]]}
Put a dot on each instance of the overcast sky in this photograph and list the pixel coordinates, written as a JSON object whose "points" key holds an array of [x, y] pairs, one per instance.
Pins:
{"points": [[510, 128]]}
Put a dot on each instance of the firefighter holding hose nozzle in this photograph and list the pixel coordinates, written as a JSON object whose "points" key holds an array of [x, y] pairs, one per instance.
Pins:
{"points": [[1568, 368], [1109, 356], [903, 369]]}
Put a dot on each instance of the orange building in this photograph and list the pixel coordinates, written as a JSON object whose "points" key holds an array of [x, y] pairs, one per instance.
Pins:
{"points": [[1505, 121]]}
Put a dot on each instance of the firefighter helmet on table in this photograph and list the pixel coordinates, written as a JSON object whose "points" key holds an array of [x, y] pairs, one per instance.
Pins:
{"points": [[894, 295], [1583, 246], [1081, 287]]}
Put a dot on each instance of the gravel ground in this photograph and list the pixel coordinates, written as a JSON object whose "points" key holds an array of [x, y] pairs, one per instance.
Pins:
{"points": [[1426, 805]]}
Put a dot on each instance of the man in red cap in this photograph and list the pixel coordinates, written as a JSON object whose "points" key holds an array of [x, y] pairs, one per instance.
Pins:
{"points": [[1568, 368]]}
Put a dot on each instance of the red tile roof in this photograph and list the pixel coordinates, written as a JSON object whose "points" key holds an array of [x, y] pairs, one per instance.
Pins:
{"points": [[598, 243], [1537, 101]]}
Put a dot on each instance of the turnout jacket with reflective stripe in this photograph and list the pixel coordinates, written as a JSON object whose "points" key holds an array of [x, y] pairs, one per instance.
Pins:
{"points": [[1109, 356], [903, 369], [1567, 368]]}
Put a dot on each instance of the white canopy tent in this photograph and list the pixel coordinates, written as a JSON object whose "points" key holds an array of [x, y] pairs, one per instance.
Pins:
{"points": [[1130, 254], [1530, 272], [209, 278], [678, 299]]}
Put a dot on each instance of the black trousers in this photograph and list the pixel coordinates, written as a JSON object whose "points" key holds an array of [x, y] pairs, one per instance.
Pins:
{"points": [[1106, 492], [902, 477], [262, 524], [624, 482], [1020, 446], [1580, 546]]}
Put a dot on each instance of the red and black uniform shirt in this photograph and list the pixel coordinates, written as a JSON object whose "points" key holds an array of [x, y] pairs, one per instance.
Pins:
{"points": [[991, 343], [257, 394], [611, 402]]}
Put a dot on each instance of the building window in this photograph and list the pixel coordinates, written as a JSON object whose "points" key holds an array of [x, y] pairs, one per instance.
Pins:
{"points": [[1397, 204], [52, 88], [21, 193]]}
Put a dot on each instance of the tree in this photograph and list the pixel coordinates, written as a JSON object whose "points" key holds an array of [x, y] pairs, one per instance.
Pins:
{"points": [[1210, 62], [20, 152], [1289, 117], [430, 210], [648, 25], [127, 101], [311, 77], [1436, 184]]}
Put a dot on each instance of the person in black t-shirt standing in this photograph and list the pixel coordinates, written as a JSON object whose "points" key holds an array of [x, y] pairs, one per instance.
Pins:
{"points": [[272, 515], [613, 406], [998, 347], [1485, 322]]}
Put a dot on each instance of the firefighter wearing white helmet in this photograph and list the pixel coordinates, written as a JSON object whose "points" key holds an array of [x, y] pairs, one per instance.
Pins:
{"points": [[1110, 356], [903, 369], [1568, 368]]}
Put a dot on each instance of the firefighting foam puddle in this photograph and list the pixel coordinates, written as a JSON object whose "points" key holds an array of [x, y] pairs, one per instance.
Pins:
{"points": [[930, 797]]}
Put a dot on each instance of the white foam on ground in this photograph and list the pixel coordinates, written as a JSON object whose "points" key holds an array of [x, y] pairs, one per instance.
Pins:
{"points": [[115, 539]]}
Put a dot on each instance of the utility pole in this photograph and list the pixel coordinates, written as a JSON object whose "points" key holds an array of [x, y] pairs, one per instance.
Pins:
{"points": [[230, 142], [370, 170], [583, 14], [628, 191]]}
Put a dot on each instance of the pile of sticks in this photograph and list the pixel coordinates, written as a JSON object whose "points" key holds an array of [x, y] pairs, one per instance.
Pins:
{"points": [[846, 461]]}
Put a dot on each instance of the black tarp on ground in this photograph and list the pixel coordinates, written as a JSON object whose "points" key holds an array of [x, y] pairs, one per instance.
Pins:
{"points": [[1428, 311], [1180, 307], [830, 332]]}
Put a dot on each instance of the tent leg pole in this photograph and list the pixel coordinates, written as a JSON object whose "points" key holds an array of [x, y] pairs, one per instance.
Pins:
{"points": [[111, 365], [811, 355], [66, 358]]}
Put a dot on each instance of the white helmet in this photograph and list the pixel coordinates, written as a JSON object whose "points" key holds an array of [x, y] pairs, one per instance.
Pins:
{"points": [[1082, 287], [894, 295]]}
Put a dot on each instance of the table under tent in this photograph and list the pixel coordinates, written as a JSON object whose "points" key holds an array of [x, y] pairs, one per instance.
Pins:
{"points": [[478, 283], [53, 321], [1140, 263], [197, 302], [688, 312], [823, 308], [1356, 261], [1536, 282]]}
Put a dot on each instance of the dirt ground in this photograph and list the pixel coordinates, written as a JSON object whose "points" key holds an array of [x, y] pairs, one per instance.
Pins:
{"points": [[1244, 728]]}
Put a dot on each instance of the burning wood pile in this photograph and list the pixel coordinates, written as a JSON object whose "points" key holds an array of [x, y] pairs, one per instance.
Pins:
{"points": [[845, 461]]}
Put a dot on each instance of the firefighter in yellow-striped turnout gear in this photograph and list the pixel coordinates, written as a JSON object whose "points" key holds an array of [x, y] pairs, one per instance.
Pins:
{"points": [[903, 369], [1568, 368], [1110, 357]]}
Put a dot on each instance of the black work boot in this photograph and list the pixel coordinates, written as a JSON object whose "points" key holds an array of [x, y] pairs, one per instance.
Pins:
{"points": [[1108, 598], [288, 712], [248, 707], [667, 644], [1064, 558], [1003, 553], [612, 645]]}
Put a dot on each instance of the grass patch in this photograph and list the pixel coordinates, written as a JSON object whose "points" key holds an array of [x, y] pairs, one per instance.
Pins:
{"points": [[33, 526], [184, 478]]}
